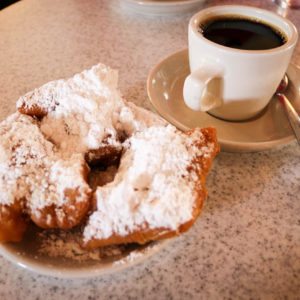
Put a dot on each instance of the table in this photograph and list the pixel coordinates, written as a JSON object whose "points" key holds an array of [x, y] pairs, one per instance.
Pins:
{"points": [[245, 245]]}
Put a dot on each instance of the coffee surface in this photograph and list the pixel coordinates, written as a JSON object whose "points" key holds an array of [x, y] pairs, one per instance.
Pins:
{"points": [[242, 33]]}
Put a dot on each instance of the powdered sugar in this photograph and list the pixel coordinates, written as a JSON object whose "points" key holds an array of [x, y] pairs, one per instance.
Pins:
{"points": [[67, 245], [132, 118], [80, 110], [32, 170], [86, 111], [20, 157], [153, 187], [59, 176]]}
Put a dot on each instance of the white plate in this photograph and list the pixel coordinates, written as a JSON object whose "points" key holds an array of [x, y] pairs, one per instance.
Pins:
{"points": [[157, 7], [269, 129], [27, 254]]}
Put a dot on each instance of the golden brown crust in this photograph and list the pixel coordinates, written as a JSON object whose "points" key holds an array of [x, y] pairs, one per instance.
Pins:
{"points": [[64, 217], [33, 111], [68, 215], [13, 222]]}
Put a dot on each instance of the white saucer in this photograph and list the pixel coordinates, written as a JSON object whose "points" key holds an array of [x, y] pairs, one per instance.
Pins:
{"points": [[27, 254], [271, 128], [167, 7]]}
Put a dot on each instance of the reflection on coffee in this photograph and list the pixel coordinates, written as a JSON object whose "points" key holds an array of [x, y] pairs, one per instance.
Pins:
{"points": [[241, 33]]}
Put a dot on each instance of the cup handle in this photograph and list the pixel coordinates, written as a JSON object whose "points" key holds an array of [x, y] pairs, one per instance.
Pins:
{"points": [[202, 89]]}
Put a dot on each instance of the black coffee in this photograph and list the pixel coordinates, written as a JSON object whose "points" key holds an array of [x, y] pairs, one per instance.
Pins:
{"points": [[237, 32]]}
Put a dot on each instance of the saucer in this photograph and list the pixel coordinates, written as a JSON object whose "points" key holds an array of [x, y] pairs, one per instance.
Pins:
{"points": [[155, 7], [271, 128]]}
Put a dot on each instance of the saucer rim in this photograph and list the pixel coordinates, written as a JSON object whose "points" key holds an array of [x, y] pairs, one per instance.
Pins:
{"points": [[226, 145]]}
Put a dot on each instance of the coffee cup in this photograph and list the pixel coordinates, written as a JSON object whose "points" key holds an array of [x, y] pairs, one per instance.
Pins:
{"points": [[238, 56]]}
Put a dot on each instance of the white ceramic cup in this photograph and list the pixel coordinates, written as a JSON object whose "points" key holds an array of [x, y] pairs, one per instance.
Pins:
{"points": [[230, 83]]}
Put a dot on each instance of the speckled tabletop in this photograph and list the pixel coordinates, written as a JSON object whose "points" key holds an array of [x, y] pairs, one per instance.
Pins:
{"points": [[245, 245]]}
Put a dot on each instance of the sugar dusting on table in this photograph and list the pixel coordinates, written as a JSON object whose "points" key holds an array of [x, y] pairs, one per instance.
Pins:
{"points": [[65, 244]]}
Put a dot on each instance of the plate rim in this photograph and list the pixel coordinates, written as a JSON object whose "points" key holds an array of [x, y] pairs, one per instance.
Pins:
{"points": [[226, 145]]}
